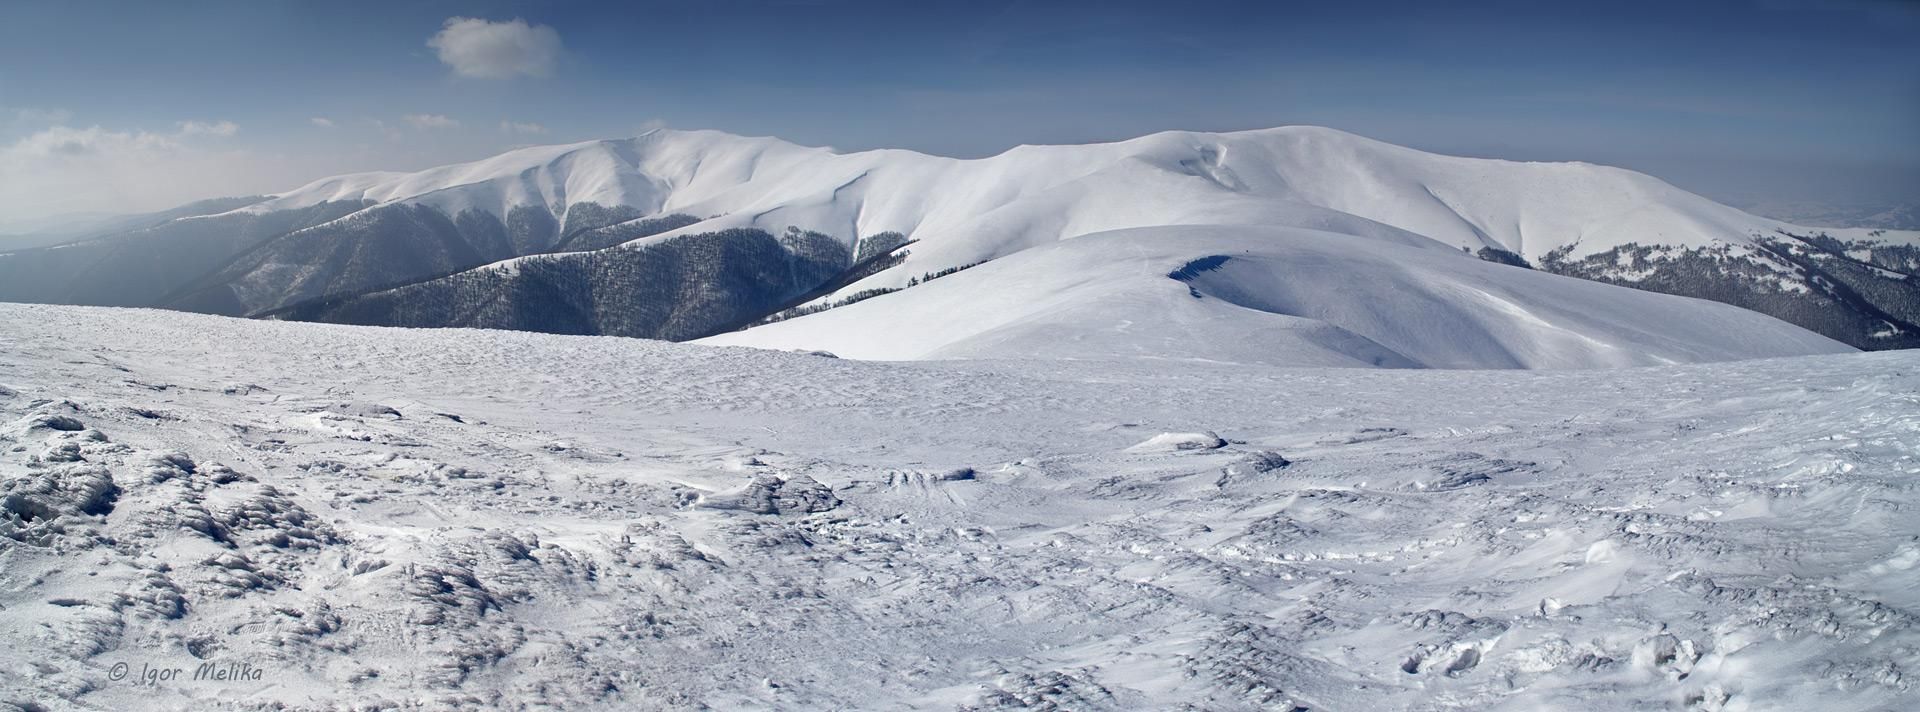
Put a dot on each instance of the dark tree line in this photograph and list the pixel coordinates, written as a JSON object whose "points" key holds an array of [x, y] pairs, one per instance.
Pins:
{"points": [[930, 276], [615, 232], [1500, 256]]}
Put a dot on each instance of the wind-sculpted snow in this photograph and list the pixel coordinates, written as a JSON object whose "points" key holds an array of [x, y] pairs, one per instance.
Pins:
{"points": [[1281, 297], [207, 513]]}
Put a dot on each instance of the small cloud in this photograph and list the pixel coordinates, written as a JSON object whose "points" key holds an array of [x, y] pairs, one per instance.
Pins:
{"points": [[61, 140], [69, 141], [321, 121], [426, 122], [474, 47], [203, 128], [652, 125], [523, 128]]}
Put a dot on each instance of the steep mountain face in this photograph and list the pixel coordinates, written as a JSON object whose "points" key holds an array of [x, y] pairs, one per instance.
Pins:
{"points": [[385, 245], [339, 248], [679, 289]]}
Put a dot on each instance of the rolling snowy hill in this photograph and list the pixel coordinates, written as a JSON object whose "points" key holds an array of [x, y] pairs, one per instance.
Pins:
{"points": [[369, 518], [1286, 297], [339, 247]]}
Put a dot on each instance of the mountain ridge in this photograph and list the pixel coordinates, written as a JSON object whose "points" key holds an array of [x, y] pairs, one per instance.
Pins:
{"points": [[360, 234]]}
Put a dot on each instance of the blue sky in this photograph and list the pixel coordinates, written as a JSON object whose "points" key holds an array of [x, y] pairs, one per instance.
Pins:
{"points": [[144, 105]]}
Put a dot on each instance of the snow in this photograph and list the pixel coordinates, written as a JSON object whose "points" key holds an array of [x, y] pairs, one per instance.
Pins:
{"points": [[965, 211], [346, 517], [1171, 442], [630, 172], [1285, 297]]}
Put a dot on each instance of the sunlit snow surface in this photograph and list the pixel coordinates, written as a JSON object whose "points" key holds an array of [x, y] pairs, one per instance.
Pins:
{"points": [[376, 518], [1282, 297]]}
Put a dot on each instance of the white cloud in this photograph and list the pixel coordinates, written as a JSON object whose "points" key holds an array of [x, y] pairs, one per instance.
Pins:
{"points": [[66, 168], [63, 168], [322, 122], [426, 122], [652, 125], [68, 141], [204, 128], [496, 50], [522, 127]]}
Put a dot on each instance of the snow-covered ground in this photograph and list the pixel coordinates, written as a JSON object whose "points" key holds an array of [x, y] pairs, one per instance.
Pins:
{"points": [[377, 518]]}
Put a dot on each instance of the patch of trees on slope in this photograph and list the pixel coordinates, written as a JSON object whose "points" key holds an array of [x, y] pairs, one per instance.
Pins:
{"points": [[1863, 293], [397, 244], [204, 258], [681, 288]]}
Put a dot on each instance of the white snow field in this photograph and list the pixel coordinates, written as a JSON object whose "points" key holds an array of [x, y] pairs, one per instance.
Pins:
{"points": [[329, 517], [1282, 297]]}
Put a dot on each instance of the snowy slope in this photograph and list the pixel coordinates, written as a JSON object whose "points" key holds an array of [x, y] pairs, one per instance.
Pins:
{"points": [[1282, 296], [367, 518]]}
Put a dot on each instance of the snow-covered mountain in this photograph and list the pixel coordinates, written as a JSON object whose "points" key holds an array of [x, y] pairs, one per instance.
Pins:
{"points": [[681, 234]]}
